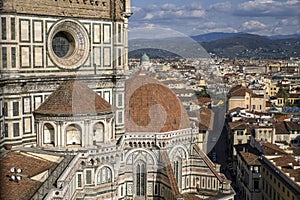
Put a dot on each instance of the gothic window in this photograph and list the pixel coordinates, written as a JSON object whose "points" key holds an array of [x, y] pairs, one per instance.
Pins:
{"points": [[120, 117], [4, 57], [6, 130], [3, 25], [13, 57], [48, 134], [104, 175], [197, 183], [140, 179], [15, 108], [73, 135], [13, 28], [16, 129], [119, 57], [119, 33], [120, 100], [79, 180], [98, 132], [177, 165], [88, 177], [5, 109]]}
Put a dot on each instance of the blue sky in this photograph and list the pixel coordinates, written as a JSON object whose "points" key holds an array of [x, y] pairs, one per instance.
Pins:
{"points": [[166, 18]]}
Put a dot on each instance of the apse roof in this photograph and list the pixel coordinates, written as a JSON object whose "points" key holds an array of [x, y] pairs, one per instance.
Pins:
{"points": [[73, 98]]}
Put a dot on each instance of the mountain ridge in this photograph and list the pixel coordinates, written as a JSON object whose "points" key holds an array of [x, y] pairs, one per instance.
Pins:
{"points": [[238, 45]]}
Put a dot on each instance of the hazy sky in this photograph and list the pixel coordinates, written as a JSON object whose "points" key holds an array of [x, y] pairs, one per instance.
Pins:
{"points": [[163, 18]]}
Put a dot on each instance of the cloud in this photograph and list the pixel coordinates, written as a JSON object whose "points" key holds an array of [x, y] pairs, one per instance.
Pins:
{"points": [[222, 6], [268, 8], [264, 17], [168, 11], [152, 31], [253, 25]]}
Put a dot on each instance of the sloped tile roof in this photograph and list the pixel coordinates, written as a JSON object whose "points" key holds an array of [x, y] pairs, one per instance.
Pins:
{"points": [[285, 160], [30, 166], [250, 158], [206, 118], [281, 128], [292, 126], [152, 107], [73, 98], [271, 149], [237, 125], [239, 90]]}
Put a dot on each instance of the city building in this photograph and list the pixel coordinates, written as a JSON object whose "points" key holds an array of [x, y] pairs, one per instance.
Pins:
{"points": [[280, 177], [248, 175], [242, 97], [68, 109]]}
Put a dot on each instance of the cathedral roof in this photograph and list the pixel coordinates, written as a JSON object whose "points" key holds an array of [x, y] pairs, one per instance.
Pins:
{"points": [[152, 107], [73, 98], [30, 165]]}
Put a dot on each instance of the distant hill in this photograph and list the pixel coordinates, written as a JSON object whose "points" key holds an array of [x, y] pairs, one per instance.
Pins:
{"points": [[254, 46], [278, 37], [208, 37], [153, 53], [229, 45]]}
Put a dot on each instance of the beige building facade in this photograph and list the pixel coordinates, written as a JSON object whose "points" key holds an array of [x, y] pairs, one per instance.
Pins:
{"points": [[244, 98]]}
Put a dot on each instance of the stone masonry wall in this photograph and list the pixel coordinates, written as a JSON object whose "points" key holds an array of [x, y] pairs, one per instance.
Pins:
{"points": [[102, 9]]}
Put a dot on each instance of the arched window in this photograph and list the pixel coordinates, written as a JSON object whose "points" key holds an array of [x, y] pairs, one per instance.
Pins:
{"points": [[197, 183], [140, 179], [73, 135], [48, 134], [177, 166], [104, 175], [98, 132]]}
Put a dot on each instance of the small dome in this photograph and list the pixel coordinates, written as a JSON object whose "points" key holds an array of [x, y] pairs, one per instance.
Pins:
{"points": [[145, 58], [152, 107]]}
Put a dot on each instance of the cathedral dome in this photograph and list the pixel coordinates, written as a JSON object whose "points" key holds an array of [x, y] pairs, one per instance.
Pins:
{"points": [[152, 107]]}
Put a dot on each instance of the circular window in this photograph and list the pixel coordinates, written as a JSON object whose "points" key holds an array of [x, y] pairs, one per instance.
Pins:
{"points": [[68, 44], [63, 44]]}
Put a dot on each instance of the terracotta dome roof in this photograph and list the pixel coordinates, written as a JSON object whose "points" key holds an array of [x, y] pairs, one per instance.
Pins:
{"points": [[73, 98], [152, 107]]}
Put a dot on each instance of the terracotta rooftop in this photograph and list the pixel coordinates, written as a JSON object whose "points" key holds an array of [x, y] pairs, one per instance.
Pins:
{"points": [[293, 173], [206, 118], [271, 149], [292, 126], [250, 158], [237, 125], [236, 109], [281, 128], [152, 107], [203, 100], [285, 160], [30, 166], [73, 98], [239, 91]]}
